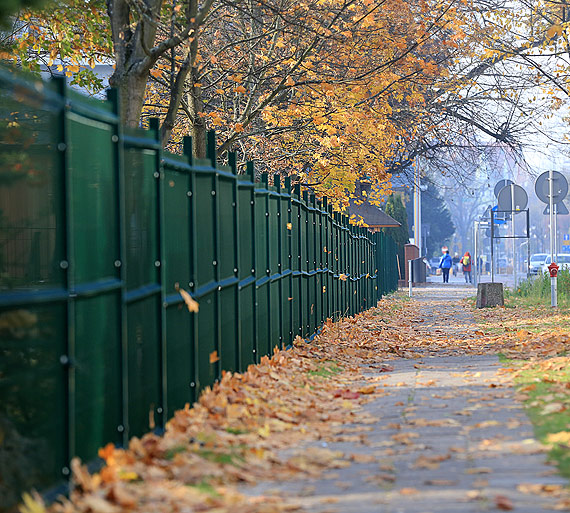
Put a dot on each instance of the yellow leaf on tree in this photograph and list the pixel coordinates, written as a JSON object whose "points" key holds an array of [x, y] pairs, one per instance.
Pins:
{"points": [[289, 81], [240, 89], [552, 31], [238, 127]]}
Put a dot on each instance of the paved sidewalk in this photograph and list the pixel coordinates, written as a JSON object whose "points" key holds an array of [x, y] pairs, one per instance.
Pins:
{"points": [[448, 437]]}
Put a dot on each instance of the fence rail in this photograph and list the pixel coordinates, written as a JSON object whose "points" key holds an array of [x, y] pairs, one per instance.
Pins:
{"points": [[99, 231]]}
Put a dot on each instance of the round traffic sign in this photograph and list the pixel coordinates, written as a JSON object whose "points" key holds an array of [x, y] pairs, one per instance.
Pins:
{"points": [[500, 184], [559, 187], [512, 197]]}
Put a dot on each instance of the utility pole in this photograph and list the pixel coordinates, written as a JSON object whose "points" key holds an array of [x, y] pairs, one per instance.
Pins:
{"points": [[417, 207]]}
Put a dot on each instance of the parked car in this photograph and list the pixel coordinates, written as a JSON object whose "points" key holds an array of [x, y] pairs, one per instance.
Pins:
{"points": [[536, 262], [563, 262], [502, 264]]}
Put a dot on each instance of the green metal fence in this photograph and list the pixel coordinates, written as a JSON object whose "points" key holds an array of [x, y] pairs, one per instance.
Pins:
{"points": [[99, 229]]}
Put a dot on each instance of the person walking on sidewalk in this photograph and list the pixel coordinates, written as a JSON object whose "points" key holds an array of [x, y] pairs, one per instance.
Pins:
{"points": [[466, 263], [445, 265], [455, 261]]}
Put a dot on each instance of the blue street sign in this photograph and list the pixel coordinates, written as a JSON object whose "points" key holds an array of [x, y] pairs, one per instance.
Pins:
{"points": [[566, 236], [495, 218]]}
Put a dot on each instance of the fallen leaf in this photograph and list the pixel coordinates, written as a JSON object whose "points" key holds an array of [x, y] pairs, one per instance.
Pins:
{"points": [[479, 470], [440, 482], [192, 305], [503, 503]]}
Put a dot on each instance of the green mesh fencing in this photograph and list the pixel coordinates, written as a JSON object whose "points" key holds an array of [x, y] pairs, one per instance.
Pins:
{"points": [[100, 230]]}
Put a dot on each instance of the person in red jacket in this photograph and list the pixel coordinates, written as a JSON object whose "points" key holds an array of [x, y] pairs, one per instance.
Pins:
{"points": [[466, 263]]}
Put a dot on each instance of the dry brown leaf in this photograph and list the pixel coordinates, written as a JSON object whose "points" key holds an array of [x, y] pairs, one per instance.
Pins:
{"points": [[192, 305], [503, 503]]}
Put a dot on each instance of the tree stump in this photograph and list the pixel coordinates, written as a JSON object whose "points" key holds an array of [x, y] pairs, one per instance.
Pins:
{"points": [[490, 294]]}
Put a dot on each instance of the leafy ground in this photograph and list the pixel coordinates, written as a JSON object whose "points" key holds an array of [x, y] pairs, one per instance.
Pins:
{"points": [[251, 426], [537, 342]]}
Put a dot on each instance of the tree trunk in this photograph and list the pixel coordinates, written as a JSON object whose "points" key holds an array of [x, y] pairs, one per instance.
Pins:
{"points": [[131, 89], [130, 45], [196, 107]]}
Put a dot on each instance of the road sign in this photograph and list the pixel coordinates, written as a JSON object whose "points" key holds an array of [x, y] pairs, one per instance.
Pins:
{"points": [[500, 217], [566, 236], [559, 187], [561, 209], [500, 184], [512, 196]]}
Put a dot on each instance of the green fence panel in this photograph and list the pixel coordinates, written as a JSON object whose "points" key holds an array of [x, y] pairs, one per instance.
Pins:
{"points": [[246, 271], [142, 294], [94, 284], [285, 262], [101, 234], [178, 378], [297, 284], [274, 266], [205, 276], [33, 296], [228, 268]]}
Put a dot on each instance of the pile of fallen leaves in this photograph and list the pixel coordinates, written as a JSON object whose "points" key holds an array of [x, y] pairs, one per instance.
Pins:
{"points": [[235, 431], [252, 426]]}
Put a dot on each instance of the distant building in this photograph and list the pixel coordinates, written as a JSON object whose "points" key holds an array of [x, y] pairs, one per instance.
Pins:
{"points": [[361, 208]]}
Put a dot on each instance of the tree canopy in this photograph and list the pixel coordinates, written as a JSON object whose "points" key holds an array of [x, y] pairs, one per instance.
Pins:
{"points": [[329, 91]]}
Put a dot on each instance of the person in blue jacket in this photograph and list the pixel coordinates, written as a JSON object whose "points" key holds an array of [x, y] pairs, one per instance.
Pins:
{"points": [[445, 265]]}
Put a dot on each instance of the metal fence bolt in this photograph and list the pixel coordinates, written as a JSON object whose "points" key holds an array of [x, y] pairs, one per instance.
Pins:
{"points": [[64, 264], [190, 283], [118, 263], [214, 263], [120, 428], [64, 359], [192, 384], [235, 270], [254, 350], [159, 410], [115, 138], [213, 193], [65, 471], [157, 263], [156, 174], [189, 194], [61, 146]]}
